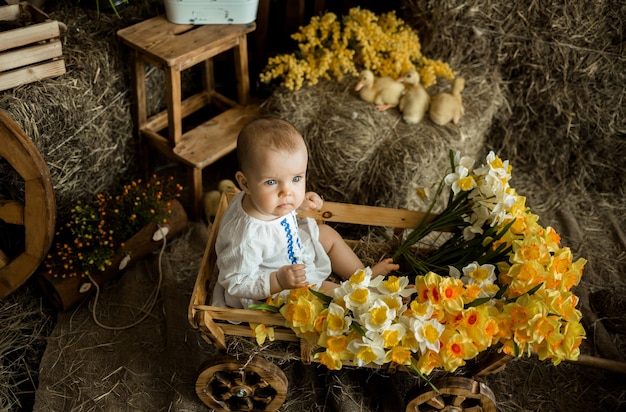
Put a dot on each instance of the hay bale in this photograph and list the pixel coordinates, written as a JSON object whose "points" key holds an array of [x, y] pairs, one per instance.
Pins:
{"points": [[359, 155], [564, 67], [80, 121], [24, 326]]}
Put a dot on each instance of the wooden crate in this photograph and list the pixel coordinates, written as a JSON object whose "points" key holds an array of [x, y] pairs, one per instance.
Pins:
{"points": [[30, 45]]}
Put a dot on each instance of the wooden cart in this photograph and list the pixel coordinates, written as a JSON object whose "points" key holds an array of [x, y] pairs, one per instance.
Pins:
{"points": [[225, 384]]}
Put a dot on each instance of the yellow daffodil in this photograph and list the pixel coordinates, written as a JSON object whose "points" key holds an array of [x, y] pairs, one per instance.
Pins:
{"points": [[473, 321], [456, 348], [262, 332], [428, 361], [452, 294], [524, 276], [337, 323], [301, 314], [329, 359], [399, 355]]}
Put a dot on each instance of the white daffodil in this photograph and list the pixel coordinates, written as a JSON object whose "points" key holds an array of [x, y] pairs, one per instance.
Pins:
{"points": [[500, 213], [481, 275], [476, 219], [370, 349], [454, 272], [378, 317], [394, 302], [361, 278], [465, 161], [428, 334], [358, 300], [421, 310], [394, 285], [392, 336], [460, 180], [425, 333], [495, 165], [337, 323]]}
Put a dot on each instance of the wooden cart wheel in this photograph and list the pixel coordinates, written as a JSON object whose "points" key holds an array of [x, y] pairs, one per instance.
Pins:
{"points": [[36, 213], [226, 384], [456, 394]]}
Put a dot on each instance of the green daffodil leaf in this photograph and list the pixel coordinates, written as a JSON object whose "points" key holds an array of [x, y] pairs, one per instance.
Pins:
{"points": [[476, 302], [264, 306], [324, 298], [358, 329]]}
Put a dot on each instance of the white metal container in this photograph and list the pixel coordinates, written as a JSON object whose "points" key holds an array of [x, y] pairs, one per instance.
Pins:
{"points": [[211, 11]]}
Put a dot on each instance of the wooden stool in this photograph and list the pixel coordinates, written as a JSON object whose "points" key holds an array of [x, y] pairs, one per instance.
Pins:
{"points": [[174, 48]]}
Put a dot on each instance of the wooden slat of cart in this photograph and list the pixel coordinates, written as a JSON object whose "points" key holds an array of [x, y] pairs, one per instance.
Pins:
{"points": [[366, 215]]}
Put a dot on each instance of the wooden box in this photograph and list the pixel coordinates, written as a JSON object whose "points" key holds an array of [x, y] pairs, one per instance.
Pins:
{"points": [[30, 45]]}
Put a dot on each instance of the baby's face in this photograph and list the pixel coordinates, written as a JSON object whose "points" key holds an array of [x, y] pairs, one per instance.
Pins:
{"points": [[276, 183]]}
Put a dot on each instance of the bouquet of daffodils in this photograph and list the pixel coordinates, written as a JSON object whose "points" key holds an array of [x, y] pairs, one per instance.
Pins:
{"points": [[499, 280]]}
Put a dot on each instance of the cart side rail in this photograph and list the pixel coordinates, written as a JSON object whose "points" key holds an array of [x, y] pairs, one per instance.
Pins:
{"points": [[334, 212], [209, 259]]}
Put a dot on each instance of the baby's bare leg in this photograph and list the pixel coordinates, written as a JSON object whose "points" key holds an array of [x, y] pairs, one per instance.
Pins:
{"points": [[328, 287], [343, 260]]}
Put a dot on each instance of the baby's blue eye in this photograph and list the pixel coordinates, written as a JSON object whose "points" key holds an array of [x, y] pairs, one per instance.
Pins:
{"points": [[297, 178], [271, 182]]}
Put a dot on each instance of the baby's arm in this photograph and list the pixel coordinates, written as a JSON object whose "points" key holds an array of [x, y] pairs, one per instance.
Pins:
{"points": [[240, 273], [288, 277], [312, 201]]}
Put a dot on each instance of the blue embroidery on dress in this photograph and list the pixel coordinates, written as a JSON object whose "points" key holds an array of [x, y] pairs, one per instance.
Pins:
{"points": [[290, 237]]}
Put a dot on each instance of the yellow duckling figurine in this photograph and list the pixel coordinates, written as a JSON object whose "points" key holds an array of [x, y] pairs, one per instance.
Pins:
{"points": [[212, 198], [448, 107], [384, 92], [415, 101]]}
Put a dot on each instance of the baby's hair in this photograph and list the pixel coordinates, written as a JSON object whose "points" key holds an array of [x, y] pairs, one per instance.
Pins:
{"points": [[269, 132]]}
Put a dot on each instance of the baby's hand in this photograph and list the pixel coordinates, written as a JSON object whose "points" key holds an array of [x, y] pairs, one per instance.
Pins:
{"points": [[312, 201], [292, 276]]}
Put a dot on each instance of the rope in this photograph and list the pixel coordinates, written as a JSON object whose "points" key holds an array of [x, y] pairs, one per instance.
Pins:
{"points": [[148, 306]]}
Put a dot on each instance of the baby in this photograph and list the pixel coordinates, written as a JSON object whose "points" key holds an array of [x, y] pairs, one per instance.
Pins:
{"points": [[262, 247]]}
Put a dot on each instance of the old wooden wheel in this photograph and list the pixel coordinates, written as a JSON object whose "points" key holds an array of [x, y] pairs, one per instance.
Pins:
{"points": [[226, 384], [456, 394], [36, 213]]}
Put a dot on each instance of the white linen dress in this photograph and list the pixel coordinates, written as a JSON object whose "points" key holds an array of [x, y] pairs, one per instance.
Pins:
{"points": [[249, 249]]}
